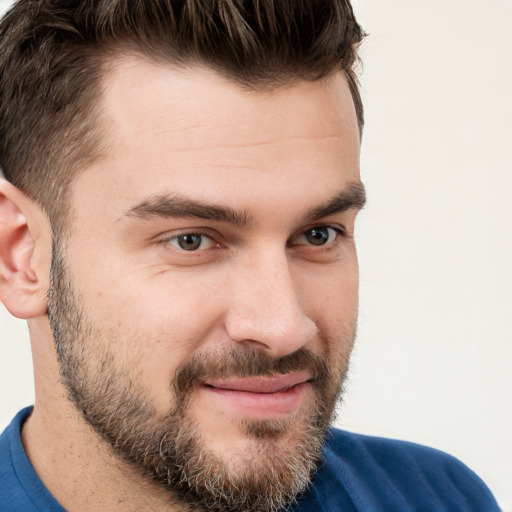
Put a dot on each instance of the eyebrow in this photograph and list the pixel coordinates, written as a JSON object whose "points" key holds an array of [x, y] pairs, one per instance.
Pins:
{"points": [[177, 206], [352, 197]]}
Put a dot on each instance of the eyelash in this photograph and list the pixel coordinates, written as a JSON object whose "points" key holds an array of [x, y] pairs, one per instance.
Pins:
{"points": [[199, 232], [339, 232]]}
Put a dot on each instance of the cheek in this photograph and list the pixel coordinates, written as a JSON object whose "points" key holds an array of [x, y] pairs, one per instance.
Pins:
{"points": [[160, 307], [330, 296], [150, 326]]}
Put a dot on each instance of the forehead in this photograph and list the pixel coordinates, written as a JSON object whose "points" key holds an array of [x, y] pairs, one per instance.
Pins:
{"points": [[173, 130], [136, 89]]}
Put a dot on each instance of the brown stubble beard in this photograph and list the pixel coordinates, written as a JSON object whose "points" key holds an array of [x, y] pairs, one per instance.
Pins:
{"points": [[170, 450]]}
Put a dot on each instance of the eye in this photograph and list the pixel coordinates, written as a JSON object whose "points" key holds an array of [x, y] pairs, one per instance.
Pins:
{"points": [[320, 235], [191, 242]]}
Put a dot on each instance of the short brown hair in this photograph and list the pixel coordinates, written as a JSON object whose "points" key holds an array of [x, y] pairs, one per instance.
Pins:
{"points": [[52, 55]]}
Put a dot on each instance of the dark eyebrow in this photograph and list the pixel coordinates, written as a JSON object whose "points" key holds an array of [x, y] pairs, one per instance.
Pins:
{"points": [[353, 196], [176, 206]]}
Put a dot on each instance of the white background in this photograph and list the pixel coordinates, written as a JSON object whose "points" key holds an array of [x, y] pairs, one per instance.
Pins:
{"points": [[434, 356]]}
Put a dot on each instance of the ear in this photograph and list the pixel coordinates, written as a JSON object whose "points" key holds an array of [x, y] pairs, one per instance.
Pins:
{"points": [[25, 253]]}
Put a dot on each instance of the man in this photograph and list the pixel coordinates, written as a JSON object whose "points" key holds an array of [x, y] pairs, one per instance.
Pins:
{"points": [[177, 226]]}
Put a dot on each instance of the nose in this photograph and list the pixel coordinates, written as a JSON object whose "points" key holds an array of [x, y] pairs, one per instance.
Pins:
{"points": [[265, 306]]}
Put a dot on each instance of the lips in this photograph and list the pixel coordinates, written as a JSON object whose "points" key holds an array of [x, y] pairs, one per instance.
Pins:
{"points": [[274, 384], [260, 397]]}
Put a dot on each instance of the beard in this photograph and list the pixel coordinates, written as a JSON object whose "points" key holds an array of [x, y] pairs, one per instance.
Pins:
{"points": [[170, 449]]}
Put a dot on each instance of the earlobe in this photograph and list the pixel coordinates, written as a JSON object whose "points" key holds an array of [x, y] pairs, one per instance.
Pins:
{"points": [[23, 280]]}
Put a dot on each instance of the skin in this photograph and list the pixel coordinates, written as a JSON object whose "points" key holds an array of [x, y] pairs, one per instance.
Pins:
{"points": [[272, 158]]}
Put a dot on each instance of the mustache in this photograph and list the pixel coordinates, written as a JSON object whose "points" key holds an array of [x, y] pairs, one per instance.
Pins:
{"points": [[247, 363]]}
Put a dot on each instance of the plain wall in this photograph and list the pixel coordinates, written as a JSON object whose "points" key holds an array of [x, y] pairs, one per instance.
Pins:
{"points": [[434, 354]]}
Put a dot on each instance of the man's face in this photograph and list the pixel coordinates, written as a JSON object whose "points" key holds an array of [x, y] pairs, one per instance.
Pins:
{"points": [[204, 303]]}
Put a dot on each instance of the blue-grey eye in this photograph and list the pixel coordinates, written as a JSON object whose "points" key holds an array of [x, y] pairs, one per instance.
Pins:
{"points": [[318, 236]]}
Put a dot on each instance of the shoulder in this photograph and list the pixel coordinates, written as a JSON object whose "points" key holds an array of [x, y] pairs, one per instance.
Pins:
{"points": [[384, 474], [20, 487], [392, 454]]}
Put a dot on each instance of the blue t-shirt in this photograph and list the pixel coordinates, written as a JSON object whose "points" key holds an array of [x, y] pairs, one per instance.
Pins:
{"points": [[359, 474]]}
